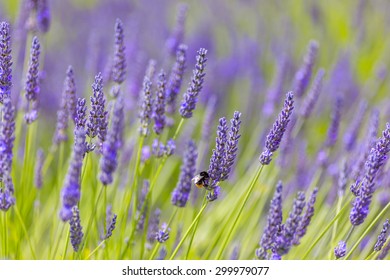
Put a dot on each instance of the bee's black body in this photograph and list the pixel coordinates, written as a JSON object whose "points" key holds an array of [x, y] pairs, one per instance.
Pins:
{"points": [[202, 180]]}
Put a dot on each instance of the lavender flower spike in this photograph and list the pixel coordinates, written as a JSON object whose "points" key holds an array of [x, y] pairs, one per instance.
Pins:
{"points": [[70, 93], [5, 62], [97, 122], [274, 221], [333, 130], [190, 98], [76, 230], [81, 113], [43, 15], [285, 238], [110, 227], [175, 79], [71, 190], [146, 107], [153, 225], [231, 145], [32, 83], [382, 236], [159, 106], [302, 77], [178, 33], [108, 161], [163, 234], [181, 193], [38, 180], [353, 130], [217, 161], [275, 136], [305, 222], [313, 95], [340, 250], [375, 161], [119, 67]]}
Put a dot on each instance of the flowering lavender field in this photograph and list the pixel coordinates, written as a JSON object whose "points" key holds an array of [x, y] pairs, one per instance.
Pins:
{"points": [[200, 130]]}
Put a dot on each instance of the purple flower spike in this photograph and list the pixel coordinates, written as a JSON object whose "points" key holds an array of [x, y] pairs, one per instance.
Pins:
{"points": [[119, 67], [140, 205], [285, 238], [5, 62], [340, 250], [217, 161], [153, 225], [43, 16], [159, 106], [178, 32], [302, 77], [109, 161], [71, 190], [305, 222], [353, 130], [274, 222], [163, 233], [70, 93], [231, 145], [7, 137], [275, 136], [312, 97], [382, 236], [333, 131], [146, 107], [190, 97], [97, 122], [384, 252], [343, 179], [176, 78], [76, 230], [110, 227], [81, 113], [187, 172], [32, 84]]}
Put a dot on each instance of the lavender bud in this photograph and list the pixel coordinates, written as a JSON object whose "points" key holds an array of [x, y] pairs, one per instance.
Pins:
{"points": [[38, 182], [182, 191], [110, 227], [340, 250], [43, 16], [275, 135], [175, 79], [6, 199], [5, 62], [32, 84], [153, 225], [305, 222], [190, 97], [312, 97], [159, 106], [231, 145], [274, 221], [119, 67], [70, 93], [146, 153], [109, 161], [76, 230], [81, 113], [285, 238], [146, 107], [217, 161], [302, 77], [163, 233], [382, 236]]}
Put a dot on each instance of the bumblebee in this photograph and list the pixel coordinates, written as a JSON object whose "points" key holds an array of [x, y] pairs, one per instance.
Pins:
{"points": [[201, 180]]}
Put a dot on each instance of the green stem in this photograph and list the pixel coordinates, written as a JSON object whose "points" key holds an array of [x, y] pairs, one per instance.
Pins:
{"points": [[5, 234], [96, 249], [195, 228], [239, 212], [178, 128], [370, 255], [188, 231], [66, 244], [326, 229], [371, 225], [58, 241], [25, 231], [334, 231]]}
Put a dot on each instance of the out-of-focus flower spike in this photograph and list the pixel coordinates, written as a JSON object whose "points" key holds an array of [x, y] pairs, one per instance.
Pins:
{"points": [[303, 76], [177, 35], [162, 234], [181, 193], [353, 130], [153, 225], [146, 107], [70, 90], [312, 97], [333, 131], [140, 205], [38, 180], [275, 135], [343, 179], [190, 97], [43, 15], [119, 65], [382, 237]]}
